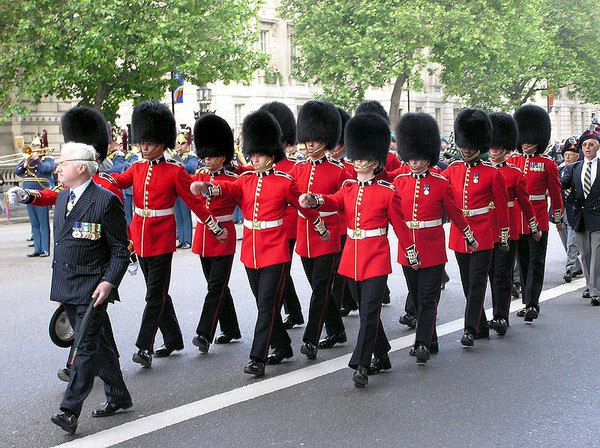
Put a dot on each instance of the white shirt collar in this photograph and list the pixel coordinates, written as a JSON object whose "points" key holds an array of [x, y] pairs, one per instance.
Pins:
{"points": [[80, 189]]}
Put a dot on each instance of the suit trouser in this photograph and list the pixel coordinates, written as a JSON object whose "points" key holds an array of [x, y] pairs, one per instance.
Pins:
{"points": [[323, 309], [108, 333], [341, 291], [40, 227], [183, 219], [532, 263], [589, 245], [267, 285], [97, 353], [128, 207], [501, 279], [159, 313], [291, 303], [425, 285], [569, 241], [473, 275], [218, 303], [371, 335]]}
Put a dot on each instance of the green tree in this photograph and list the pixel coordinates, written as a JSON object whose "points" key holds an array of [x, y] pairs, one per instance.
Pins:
{"points": [[105, 51], [350, 45]]}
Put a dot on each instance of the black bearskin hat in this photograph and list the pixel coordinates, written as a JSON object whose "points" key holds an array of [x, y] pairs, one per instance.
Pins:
{"points": [[473, 130], [534, 127], [504, 131], [285, 117], [373, 107], [367, 137], [418, 138], [153, 122], [261, 133], [213, 137], [319, 121], [85, 125], [345, 116]]}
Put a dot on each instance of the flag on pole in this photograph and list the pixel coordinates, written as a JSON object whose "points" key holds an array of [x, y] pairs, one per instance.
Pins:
{"points": [[178, 93]]}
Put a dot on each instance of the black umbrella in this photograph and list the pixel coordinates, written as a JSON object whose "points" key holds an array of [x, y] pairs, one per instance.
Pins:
{"points": [[83, 328]]}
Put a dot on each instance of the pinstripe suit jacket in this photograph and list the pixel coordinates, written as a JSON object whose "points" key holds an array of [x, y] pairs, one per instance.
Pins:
{"points": [[80, 263], [586, 213]]}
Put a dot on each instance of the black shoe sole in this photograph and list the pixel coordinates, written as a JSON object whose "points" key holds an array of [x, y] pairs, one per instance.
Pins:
{"points": [[62, 425]]}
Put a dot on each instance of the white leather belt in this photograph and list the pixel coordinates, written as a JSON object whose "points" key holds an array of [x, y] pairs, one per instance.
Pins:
{"points": [[361, 234], [224, 218], [262, 225], [149, 213], [475, 211], [537, 197], [414, 225], [321, 214], [510, 203]]}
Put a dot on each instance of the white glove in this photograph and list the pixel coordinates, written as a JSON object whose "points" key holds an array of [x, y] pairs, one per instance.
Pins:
{"points": [[17, 194]]}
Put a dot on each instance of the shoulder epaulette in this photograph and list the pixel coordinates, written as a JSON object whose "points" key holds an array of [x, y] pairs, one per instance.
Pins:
{"points": [[546, 157], [244, 173], [282, 174], [510, 165], [142, 160], [438, 175], [486, 163], [456, 162], [337, 163], [230, 173], [385, 183], [349, 181], [107, 177], [174, 162], [404, 175], [58, 188], [203, 170]]}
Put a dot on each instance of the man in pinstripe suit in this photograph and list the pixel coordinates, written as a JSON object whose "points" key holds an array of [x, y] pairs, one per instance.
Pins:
{"points": [[90, 259]]}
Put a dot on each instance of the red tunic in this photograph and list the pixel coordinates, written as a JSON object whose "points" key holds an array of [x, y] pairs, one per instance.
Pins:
{"points": [[368, 207], [290, 220], [221, 207], [426, 197], [263, 198], [321, 176], [541, 179], [392, 162], [475, 186], [156, 185]]}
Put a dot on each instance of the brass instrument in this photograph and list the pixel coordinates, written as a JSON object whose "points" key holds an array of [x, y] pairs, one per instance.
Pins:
{"points": [[26, 151]]}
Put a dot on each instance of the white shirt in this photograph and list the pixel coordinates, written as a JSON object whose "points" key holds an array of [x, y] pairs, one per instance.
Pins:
{"points": [[79, 190]]}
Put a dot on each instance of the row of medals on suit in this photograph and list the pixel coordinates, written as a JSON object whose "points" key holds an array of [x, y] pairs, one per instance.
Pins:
{"points": [[86, 230]]}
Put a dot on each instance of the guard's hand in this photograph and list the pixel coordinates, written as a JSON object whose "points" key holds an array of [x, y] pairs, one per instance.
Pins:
{"points": [[474, 246], [306, 201], [17, 194], [538, 236], [222, 237], [199, 188], [101, 293], [326, 236]]}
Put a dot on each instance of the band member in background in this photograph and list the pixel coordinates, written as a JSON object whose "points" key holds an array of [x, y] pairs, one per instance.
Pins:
{"points": [[263, 195], [213, 139], [36, 170], [369, 207], [427, 197], [541, 180], [157, 183], [476, 184], [287, 122]]}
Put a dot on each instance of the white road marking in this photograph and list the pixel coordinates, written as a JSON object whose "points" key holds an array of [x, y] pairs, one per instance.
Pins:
{"points": [[146, 425]]}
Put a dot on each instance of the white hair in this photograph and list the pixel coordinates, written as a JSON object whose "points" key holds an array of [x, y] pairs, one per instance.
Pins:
{"points": [[86, 154]]}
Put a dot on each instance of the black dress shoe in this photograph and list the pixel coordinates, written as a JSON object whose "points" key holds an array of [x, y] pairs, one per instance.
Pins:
{"points": [[483, 334], [378, 364], [112, 408], [291, 321], [165, 350], [576, 273], [66, 421], [44, 254], [330, 341], [309, 349], [500, 325], [35, 254], [279, 354], [361, 377], [586, 293], [568, 277], [186, 246], [178, 245], [255, 368], [515, 291], [409, 320], [225, 338], [64, 375], [344, 311], [467, 339], [202, 343], [422, 353], [143, 357], [531, 314], [521, 312], [595, 301]]}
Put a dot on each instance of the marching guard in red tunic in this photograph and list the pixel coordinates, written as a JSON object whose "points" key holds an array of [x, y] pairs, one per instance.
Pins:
{"points": [[426, 197], [476, 185], [541, 180], [504, 141], [213, 139], [263, 195], [156, 185], [319, 128], [369, 206]]}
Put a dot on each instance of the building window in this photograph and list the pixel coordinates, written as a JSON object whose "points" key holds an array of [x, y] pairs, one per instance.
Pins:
{"points": [[238, 115], [264, 41]]}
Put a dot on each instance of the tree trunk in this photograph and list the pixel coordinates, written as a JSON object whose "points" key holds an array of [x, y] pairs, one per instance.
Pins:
{"points": [[101, 93], [395, 100]]}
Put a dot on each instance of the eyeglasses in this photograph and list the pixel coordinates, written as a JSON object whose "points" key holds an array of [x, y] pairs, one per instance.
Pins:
{"points": [[74, 160]]}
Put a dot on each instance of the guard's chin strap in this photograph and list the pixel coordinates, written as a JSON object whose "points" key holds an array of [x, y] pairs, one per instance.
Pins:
{"points": [[217, 163], [316, 150], [365, 166], [420, 167], [267, 163], [499, 157], [472, 158]]}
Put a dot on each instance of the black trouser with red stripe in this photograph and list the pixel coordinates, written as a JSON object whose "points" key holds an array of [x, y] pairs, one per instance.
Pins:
{"points": [[218, 303], [501, 279], [532, 264], [323, 308], [425, 287], [474, 269], [291, 303], [371, 336], [267, 285], [159, 313]]}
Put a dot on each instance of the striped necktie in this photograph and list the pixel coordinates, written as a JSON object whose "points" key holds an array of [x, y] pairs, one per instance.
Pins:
{"points": [[587, 179], [70, 203]]}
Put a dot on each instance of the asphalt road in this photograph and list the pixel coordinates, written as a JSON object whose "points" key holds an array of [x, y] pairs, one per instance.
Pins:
{"points": [[535, 387]]}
